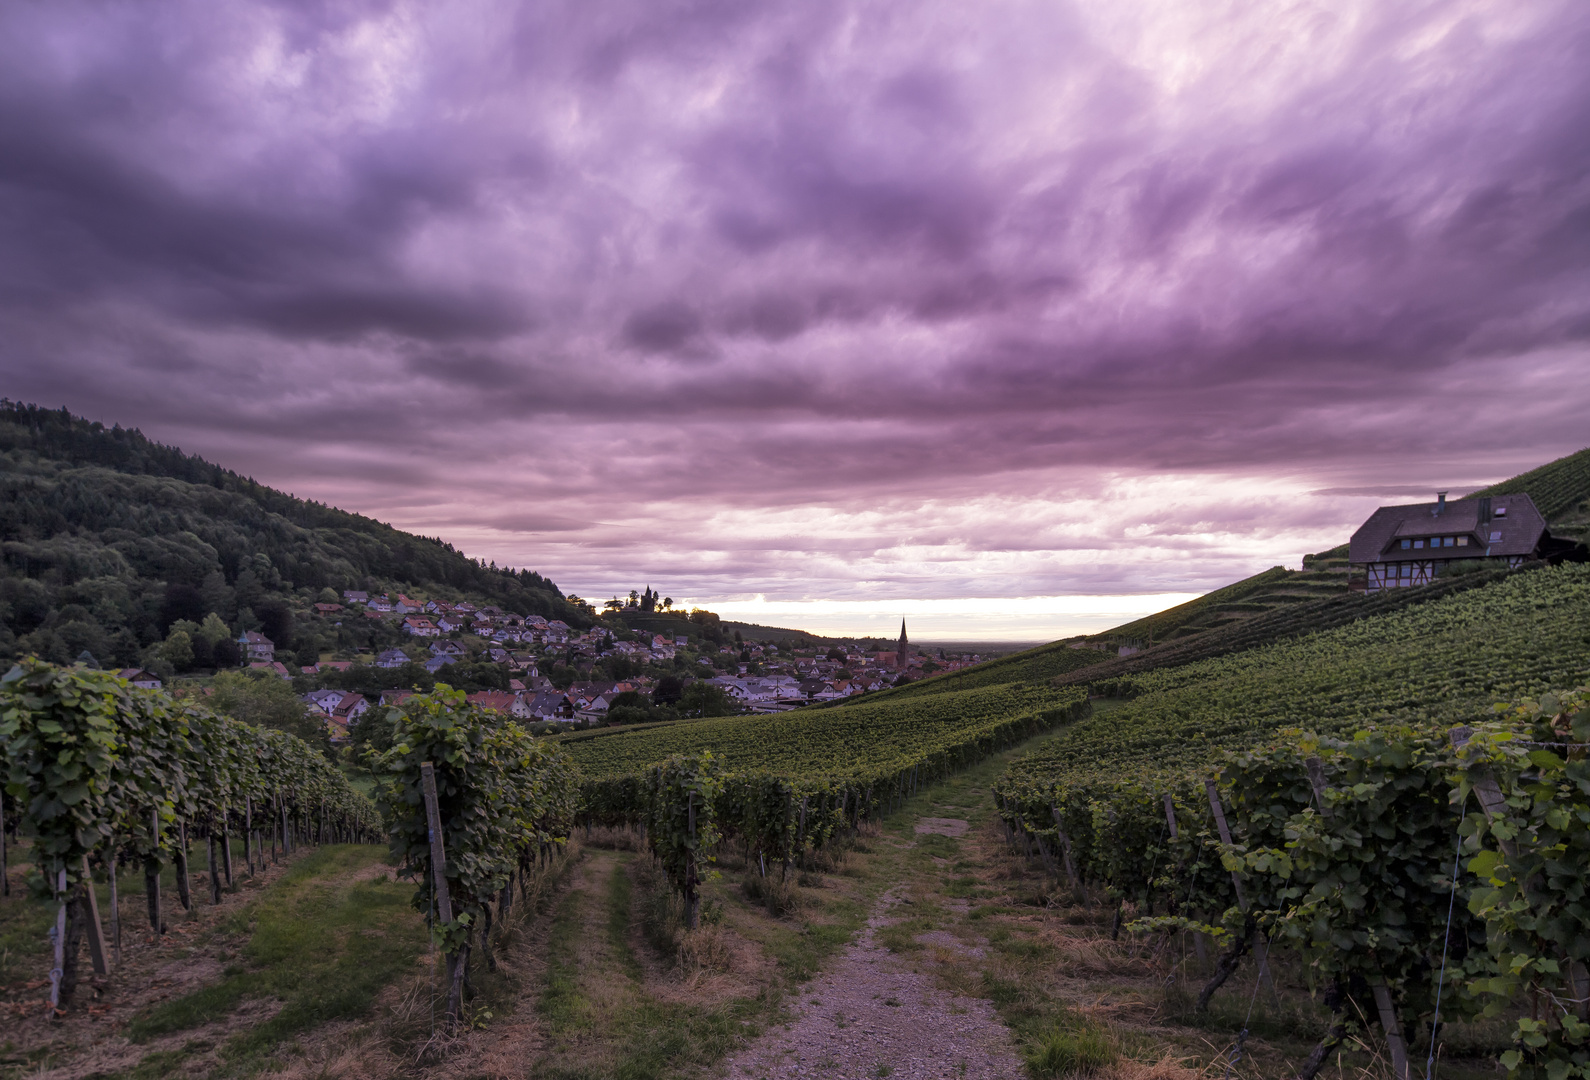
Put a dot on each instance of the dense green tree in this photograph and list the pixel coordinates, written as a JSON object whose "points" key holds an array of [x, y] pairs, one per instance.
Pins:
{"points": [[372, 731], [177, 650], [668, 691], [265, 700], [182, 602], [619, 667], [218, 596], [275, 621], [84, 634], [704, 699]]}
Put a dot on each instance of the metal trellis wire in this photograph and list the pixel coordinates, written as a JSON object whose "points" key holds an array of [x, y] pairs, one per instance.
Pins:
{"points": [[1446, 941]]}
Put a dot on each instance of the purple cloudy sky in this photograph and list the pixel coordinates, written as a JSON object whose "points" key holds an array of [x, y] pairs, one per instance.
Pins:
{"points": [[858, 302]]}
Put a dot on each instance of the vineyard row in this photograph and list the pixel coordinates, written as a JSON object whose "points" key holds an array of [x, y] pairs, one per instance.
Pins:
{"points": [[101, 774], [1424, 875]]}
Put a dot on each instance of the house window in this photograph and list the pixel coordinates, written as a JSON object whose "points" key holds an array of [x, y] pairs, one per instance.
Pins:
{"points": [[1407, 570], [1500, 511], [1449, 542], [1406, 544], [1462, 541], [1418, 543]]}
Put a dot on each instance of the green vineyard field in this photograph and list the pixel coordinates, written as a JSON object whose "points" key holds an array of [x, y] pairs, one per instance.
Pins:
{"points": [[1307, 617], [862, 738], [1443, 662]]}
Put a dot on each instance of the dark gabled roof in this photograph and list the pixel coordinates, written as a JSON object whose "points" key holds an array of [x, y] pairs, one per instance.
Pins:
{"points": [[1518, 531]]}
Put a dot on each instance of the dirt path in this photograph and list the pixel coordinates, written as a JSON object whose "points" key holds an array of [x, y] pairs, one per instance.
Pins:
{"points": [[880, 1013]]}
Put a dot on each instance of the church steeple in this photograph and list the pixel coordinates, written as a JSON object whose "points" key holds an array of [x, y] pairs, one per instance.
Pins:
{"points": [[902, 651]]}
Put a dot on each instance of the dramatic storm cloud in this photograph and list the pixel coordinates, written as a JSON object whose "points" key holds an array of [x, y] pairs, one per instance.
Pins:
{"points": [[861, 302]]}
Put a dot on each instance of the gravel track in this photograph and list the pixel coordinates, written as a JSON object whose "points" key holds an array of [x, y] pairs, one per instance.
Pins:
{"points": [[871, 1015]]}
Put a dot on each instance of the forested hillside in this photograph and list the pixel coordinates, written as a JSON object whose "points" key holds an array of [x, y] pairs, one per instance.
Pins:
{"points": [[108, 539]]}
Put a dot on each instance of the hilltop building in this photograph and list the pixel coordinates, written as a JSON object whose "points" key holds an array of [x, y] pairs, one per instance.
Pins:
{"points": [[902, 651], [1402, 546]]}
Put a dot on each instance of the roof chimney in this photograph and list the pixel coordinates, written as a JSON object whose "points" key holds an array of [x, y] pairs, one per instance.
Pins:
{"points": [[1440, 504]]}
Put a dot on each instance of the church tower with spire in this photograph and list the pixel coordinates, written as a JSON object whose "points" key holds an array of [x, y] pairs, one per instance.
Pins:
{"points": [[902, 651]]}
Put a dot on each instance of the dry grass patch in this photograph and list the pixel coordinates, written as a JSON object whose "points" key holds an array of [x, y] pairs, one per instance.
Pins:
{"points": [[706, 948], [1169, 1067], [1097, 956]]}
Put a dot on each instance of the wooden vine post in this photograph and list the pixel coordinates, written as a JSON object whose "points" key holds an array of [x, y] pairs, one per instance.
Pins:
{"points": [[692, 893], [113, 869], [58, 933], [96, 930], [210, 865], [184, 893], [1261, 947], [456, 959], [152, 879], [1225, 838], [800, 833], [1065, 851]]}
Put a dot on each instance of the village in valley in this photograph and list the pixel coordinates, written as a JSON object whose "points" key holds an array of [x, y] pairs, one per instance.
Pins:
{"points": [[562, 675], [641, 660]]}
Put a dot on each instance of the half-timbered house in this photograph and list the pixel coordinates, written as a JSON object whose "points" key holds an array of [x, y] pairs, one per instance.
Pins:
{"points": [[1403, 546]]}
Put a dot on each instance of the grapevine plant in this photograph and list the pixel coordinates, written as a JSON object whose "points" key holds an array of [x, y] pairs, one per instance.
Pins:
{"points": [[502, 796], [1526, 779], [1422, 873], [789, 797], [104, 772], [682, 825], [1348, 849]]}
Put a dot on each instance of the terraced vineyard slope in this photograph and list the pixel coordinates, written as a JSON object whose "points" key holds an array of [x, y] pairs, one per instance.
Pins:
{"points": [[1274, 589], [1561, 489], [1444, 662], [1286, 622]]}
